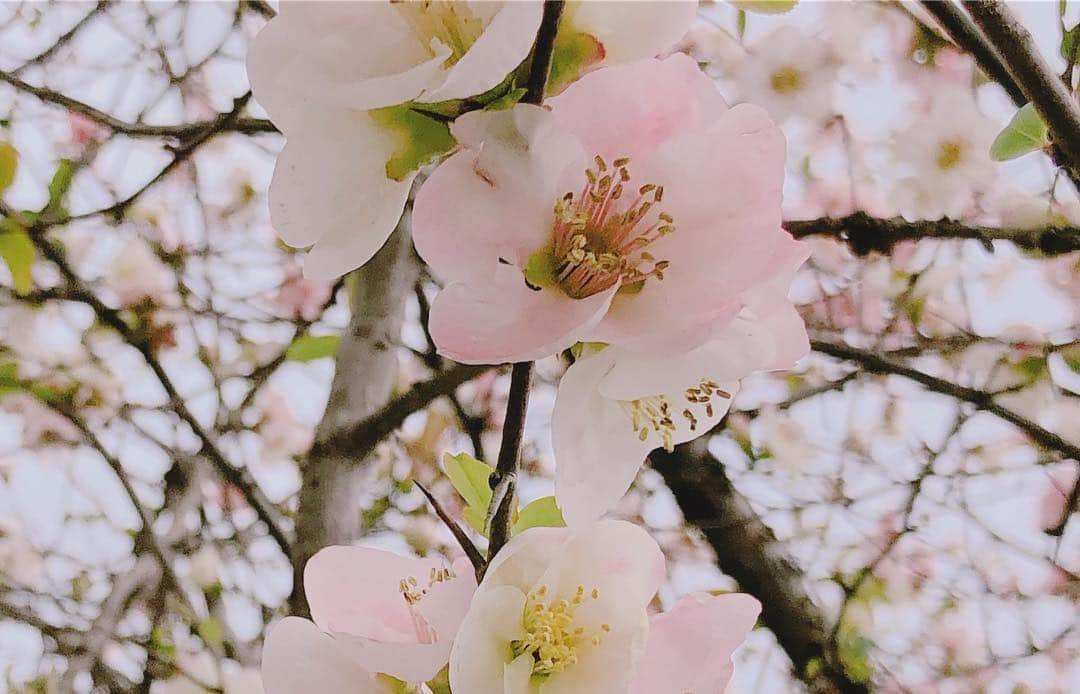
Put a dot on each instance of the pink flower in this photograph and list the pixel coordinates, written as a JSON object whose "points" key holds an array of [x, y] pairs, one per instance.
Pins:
{"points": [[297, 297], [375, 613], [635, 212], [690, 646], [135, 274]]}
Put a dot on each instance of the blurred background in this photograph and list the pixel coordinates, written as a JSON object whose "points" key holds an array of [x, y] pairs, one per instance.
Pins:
{"points": [[902, 503]]}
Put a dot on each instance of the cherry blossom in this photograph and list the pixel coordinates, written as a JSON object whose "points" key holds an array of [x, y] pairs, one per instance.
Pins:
{"points": [[136, 274], [375, 613], [789, 72], [321, 86], [615, 193]]}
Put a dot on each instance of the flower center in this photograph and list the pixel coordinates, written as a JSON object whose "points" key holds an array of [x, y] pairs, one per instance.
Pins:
{"points": [[412, 593], [950, 153], [550, 635], [786, 80], [599, 236], [654, 414], [452, 24]]}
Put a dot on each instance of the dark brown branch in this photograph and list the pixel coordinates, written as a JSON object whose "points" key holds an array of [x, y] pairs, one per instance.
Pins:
{"points": [[968, 38], [503, 480], [542, 52], [474, 555], [1042, 87], [747, 550], [864, 233]]}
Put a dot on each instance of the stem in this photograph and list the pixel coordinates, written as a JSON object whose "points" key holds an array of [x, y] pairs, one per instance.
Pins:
{"points": [[505, 476], [504, 498]]}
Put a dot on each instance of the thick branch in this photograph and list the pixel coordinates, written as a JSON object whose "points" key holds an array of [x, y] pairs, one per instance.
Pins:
{"points": [[864, 233], [747, 551], [331, 478]]}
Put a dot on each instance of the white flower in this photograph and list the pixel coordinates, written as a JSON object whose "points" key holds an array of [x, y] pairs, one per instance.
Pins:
{"points": [[788, 73], [321, 69], [946, 154], [135, 274], [560, 611]]}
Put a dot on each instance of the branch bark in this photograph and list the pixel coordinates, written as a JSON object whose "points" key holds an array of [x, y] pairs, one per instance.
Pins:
{"points": [[329, 510], [748, 551]]}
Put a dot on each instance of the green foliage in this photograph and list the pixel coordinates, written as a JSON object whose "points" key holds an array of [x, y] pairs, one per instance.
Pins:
{"points": [[470, 478], [854, 652], [540, 269], [421, 138], [1031, 368], [9, 164], [507, 100], [17, 250], [60, 185], [573, 53], [541, 513], [765, 6], [312, 347], [1025, 133], [210, 632]]}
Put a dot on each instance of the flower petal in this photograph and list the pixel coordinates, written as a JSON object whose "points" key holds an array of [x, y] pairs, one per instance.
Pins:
{"points": [[330, 188], [689, 647], [298, 657], [506, 42], [634, 30], [480, 655], [506, 321]]}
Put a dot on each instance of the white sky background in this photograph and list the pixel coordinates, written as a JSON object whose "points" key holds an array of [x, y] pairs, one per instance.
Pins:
{"points": [[64, 519]]}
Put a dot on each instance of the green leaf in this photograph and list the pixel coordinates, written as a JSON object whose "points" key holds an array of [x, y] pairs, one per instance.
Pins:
{"points": [[766, 6], [507, 100], [1069, 40], [9, 164], [60, 184], [541, 513], [470, 478], [210, 632], [17, 250], [540, 269], [1031, 368], [421, 138], [854, 651], [740, 23], [312, 347], [573, 53], [1025, 133]]}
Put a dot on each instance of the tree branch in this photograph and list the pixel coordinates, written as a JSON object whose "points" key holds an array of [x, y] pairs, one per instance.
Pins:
{"points": [[864, 233], [747, 550]]}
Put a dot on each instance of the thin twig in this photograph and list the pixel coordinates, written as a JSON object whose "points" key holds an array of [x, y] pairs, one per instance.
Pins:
{"points": [[474, 555]]}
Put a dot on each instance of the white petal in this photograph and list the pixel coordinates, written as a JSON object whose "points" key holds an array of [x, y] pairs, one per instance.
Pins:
{"points": [[482, 649], [634, 30], [506, 42]]}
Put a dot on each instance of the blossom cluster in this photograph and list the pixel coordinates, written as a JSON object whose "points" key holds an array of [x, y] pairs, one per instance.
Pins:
{"points": [[630, 220]]}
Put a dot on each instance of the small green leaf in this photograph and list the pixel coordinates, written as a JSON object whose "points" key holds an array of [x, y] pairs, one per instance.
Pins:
{"points": [[740, 23], [9, 164], [507, 100], [210, 632], [1025, 133], [60, 184], [17, 250], [469, 477], [766, 6], [421, 139], [579, 348], [1031, 368], [573, 53], [542, 513], [1070, 39], [312, 347]]}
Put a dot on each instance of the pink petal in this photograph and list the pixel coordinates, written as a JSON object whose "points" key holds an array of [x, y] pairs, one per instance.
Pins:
{"points": [[628, 110], [480, 655], [506, 42], [689, 647], [298, 657], [506, 321]]}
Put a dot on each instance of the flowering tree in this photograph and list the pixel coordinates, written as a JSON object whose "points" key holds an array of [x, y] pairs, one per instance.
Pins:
{"points": [[611, 347]]}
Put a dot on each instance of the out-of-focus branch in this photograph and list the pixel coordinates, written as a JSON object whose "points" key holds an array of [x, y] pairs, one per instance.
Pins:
{"points": [[864, 233], [979, 398], [65, 38], [1039, 84], [332, 475], [181, 131], [747, 550]]}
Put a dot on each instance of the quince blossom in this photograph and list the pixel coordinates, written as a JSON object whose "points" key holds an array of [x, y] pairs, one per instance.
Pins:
{"points": [[636, 211], [327, 71], [564, 611], [377, 615]]}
